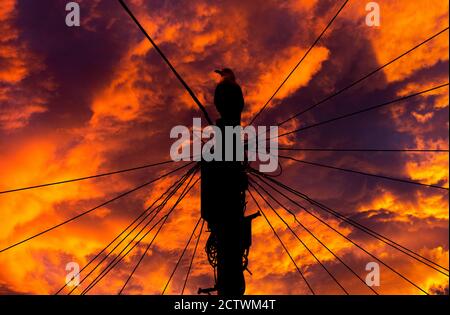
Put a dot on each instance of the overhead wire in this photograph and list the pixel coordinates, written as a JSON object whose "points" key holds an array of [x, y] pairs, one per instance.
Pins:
{"points": [[181, 256], [92, 209], [120, 257], [388, 241], [356, 244], [316, 238], [300, 61], [170, 192], [282, 243], [192, 258], [299, 239]]}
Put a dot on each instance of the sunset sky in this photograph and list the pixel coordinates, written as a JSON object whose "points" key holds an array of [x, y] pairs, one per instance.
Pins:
{"points": [[78, 101]]}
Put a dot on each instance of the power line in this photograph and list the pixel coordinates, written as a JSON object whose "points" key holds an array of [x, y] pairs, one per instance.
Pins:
{"points": [[361, 173], [357, 112], [116, 261], [120, 234], [163, 56], [297, 237], [141, 258], [314, 236], [382, 238], [298, 64], [139, 262], [363, 78], [344, 236], [175, 186], [365, 229], [178, 184], [364, 110], [361, 227], [86, 177], [183, 194], [192, 258], [92, 209], [181, 256], [281, 241], [364, 150], [118, 257]]}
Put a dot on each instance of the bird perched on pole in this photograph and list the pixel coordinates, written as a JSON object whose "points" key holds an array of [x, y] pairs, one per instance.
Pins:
{"points": [[228, 99]]}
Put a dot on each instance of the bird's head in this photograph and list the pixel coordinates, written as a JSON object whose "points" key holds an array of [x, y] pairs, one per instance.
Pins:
{"points": [[226, 74]]}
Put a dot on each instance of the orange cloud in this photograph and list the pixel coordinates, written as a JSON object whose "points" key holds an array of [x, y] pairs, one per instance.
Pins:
{"points": [[405, 24], [278, 70]]}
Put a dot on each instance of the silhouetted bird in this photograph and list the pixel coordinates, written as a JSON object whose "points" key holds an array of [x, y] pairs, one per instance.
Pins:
{"points": [[228, 99]]}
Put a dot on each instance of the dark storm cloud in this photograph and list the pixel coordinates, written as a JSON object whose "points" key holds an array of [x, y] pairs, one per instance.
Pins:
{"points": [[79, 60]]}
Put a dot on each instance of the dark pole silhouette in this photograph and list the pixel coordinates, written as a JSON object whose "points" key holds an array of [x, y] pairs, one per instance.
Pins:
{"points": [[223, 198]]}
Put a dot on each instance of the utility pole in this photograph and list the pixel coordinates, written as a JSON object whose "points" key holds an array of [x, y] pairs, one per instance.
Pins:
{"points": [[223, 187]]}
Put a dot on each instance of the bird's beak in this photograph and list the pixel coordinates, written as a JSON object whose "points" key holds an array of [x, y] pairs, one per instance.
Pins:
{"points": [[218, 71]]}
